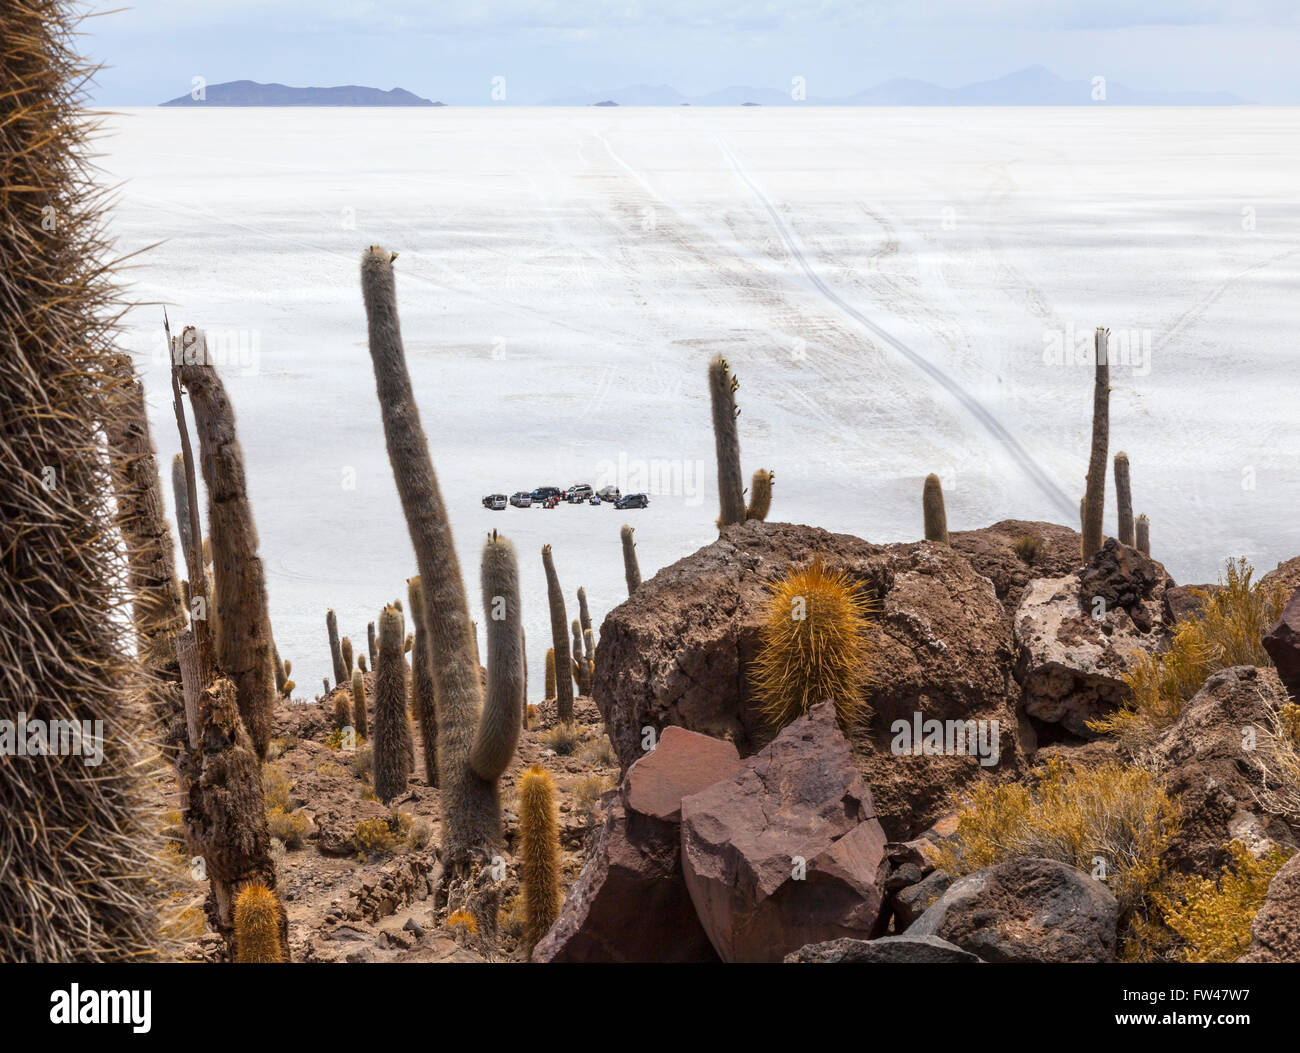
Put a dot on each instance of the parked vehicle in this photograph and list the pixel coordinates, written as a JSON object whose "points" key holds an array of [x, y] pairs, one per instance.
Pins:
{"points": [[496, 502], [543, 493], [608, 493], [579, 492], [632, 501], [522, 499]]}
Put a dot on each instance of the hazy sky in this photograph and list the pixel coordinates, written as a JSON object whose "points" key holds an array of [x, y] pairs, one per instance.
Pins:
{"points": [[451, 51]]}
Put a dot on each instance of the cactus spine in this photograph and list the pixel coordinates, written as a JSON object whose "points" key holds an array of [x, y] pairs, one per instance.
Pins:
{"points": [[359, 719], [936, 518], [345, 650], [760, 495], [391, 741], [731, 484], [631, 568], [539, 842], [470, 807], [257, 926], [1124, 499], [336, 647], [243, 628], [422, 692], [498, 728], [1144, 535], [1094, 498], [559, 639]]}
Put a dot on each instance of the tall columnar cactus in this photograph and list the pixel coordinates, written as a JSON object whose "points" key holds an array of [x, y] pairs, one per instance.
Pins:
{"points": [[470, 807], [539, 845], [760, 495], [523, 657], [1124, 499], [280, 668], [1143, 539], [550, 672], [360, 720], [579, 661], [345, 651], [342, 716], [559, 639], [731, 482], [936, 518], [391, 742], [243, 623], [157, 612], [181, 495], [422, 689], [1094, 497], [498, 728], [584, 613], [336, 647], [370, 641], [257, 926], [361, 662], [75, 844], [631, 568]]}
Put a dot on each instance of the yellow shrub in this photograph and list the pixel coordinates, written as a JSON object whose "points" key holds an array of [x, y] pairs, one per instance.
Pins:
{"points": [[1028, 548], [1111, 821], [1213, 917], [276, 787], [290, 827], [1227, 631], [381, 836], [462, 922], [563, 738]]}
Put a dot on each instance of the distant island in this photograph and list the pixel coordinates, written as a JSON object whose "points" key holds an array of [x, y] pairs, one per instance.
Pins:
{"points": [[251, 93]]}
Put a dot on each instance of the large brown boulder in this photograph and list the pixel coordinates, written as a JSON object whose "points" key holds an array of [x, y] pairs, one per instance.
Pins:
{"points": [[992, 552], [909, 950], [1286, 574], [787, 851], [630, 902], [1213, 758], [1282, 643], [679, 650], [1079, 634], [1276, 928], [1026, 910]]}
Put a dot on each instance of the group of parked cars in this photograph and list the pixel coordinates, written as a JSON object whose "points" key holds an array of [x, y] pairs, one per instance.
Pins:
{"points": [[578, 494]]}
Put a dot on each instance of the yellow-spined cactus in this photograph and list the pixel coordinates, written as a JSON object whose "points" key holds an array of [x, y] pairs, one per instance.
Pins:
{"points": [[816, 644], [257, 926], [539, 841]]}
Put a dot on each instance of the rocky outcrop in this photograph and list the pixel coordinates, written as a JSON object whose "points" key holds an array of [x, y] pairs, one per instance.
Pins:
{"points": [[992, 552], [630, 903], [1026, 910], [678, 652], [1285, 574], [890, 949], [1213, 760], [787, 851], [1283, 645], [1076, 635], [1275, 931]]}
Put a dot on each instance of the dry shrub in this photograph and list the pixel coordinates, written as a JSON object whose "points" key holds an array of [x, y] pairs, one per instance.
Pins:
{"points": [[1226, 632], [1028, 548], [381, 836], [290, 828], [1112, 813], [563, 738]]}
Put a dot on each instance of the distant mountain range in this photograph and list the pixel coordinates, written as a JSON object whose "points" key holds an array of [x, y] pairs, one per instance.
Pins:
{"points": [[1033, 86], [250, 93]]}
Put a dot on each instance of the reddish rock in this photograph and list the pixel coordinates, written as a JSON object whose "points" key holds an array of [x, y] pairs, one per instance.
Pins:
{"points": [[1283, 644], [992, 553], [683, 762], [886, 950], [679, 650], [787, 851], [630, 903], [1285, 574], [1276, 928], [1184, 601]]}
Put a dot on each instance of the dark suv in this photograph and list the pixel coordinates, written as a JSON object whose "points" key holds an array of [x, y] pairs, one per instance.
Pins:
{"points": [[544, 493], [632, 501]]}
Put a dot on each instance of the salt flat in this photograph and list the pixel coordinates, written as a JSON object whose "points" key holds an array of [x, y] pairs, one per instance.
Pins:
{"points": [[894, 288]]}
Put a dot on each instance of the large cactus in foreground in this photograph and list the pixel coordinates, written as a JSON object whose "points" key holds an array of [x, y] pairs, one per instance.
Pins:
{"points": [[391, 743], [559, 639], [257, 926], [1124, 499], [470, 807], [1094, 498], [631, 568], [936, 517], [243, 622], [539, 847], [422, 689], [726, 440], [75, 844]]}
